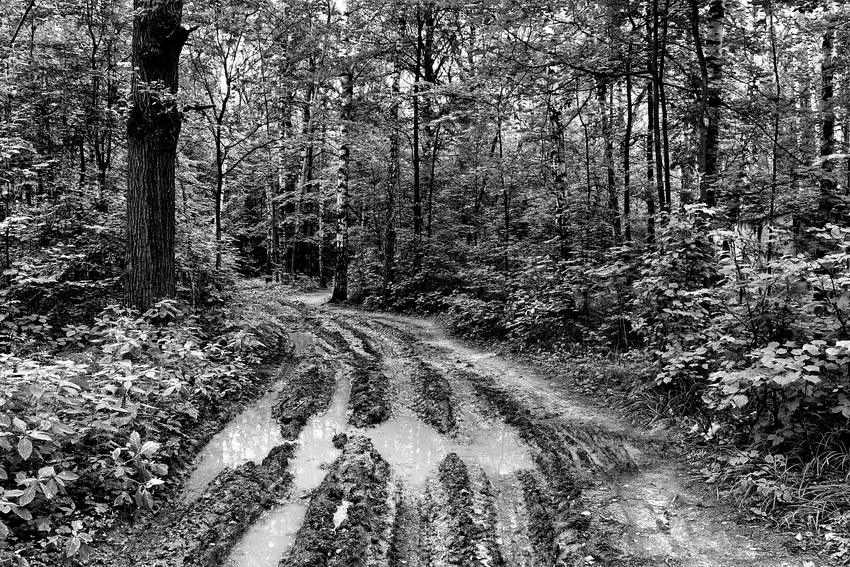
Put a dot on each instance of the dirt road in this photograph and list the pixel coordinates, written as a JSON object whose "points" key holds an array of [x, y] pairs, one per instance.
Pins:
{"points": [[404, 447]]}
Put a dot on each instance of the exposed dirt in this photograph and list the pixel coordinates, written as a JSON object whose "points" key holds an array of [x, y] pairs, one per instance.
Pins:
{"points": [[306, 392], [369, 401], [350, 517], [458, 457], [206, 530], [433, 396], [602, 492]]}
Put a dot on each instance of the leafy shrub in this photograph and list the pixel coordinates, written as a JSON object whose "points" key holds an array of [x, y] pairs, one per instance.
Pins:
{"points": [[476, 318], [98, 430], [674, 305]]}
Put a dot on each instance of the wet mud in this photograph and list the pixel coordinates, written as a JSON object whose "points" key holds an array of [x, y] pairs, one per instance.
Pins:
{"points": [[434, 403], [369, 402], [306, 392], [350, 517], [204, 531], [399, 448]]}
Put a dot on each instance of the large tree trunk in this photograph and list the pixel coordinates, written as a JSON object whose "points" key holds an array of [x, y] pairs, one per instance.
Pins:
{"points": [[340, 290], [152, 130]]}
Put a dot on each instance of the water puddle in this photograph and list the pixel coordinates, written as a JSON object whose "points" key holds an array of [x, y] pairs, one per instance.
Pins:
{"points": [[415, 449], [250, 436], [268, 540], [341, 513]]}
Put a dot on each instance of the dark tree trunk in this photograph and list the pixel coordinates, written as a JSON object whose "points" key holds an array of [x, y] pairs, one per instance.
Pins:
{"points": [[557, 163], [610, 178], [662, 102], [153, 127], [827, 199], [714, 65], [650, 166], [700, 120], [626, 151], [654, 118]]}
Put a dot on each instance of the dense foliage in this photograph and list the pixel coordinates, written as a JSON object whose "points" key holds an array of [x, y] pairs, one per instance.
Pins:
{"points": [[92, 423], [662, 182]]}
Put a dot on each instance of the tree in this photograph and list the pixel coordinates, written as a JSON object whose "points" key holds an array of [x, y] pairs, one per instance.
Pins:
{"points": [[713, 74], [153, 127]]}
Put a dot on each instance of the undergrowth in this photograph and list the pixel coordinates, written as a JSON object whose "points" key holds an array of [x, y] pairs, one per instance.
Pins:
{"points": [[743, 342], [95, 417]]}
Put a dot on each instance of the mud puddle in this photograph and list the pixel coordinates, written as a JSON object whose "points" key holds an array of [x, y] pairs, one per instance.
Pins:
{"points": [[415, 449], [412, 448], [250, 436], [270, 538]]}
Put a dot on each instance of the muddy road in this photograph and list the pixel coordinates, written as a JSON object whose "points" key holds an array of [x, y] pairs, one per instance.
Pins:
{"points": [[385, 443]]}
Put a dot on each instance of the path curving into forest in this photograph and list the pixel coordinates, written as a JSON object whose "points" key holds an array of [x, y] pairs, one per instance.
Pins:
{"points": [[396, 445]]}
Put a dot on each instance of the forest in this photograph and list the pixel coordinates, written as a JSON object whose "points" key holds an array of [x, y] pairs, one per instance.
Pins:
{"points": [[613, 231]]}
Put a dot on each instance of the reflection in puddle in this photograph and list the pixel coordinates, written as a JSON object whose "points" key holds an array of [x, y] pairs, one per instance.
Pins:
{"points": [[250, 436], [415, 449], [268, 540]]}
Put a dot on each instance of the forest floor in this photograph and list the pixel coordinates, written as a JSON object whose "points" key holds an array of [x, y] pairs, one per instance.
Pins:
{"points": [[401, 446]]}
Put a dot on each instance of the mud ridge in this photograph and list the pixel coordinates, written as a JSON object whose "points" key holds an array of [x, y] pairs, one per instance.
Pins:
{"points": [[457, 519], [404, 548], [433, 399], [351, 515], [335, 339], [204, 532], [563, 445], [484, 504], [558, 529], [454, 477], [367, 341], [308, 391], [369, 401]]}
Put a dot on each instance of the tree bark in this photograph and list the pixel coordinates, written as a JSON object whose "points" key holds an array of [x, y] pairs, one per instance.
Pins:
{"points": [[626, 151], [827, 198], [557, 164], [153, 127], [654, 103], [394, 174], [611, 180], [417, 159], [714, 67], [650, 166], [340, 289]]}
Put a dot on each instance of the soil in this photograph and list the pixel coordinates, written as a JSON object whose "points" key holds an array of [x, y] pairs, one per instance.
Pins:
{"points": [[350, 516], [306, 391], [582, 488], [206, 529]]}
